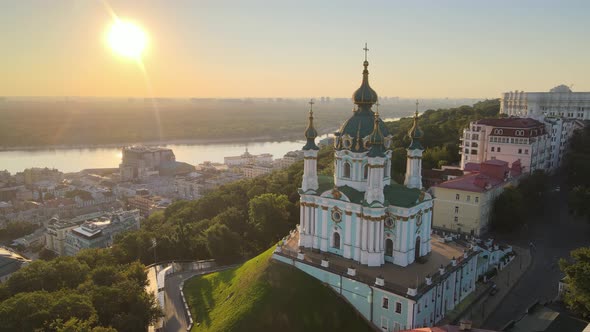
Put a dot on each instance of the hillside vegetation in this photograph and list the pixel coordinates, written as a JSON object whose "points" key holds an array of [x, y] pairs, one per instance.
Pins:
{"points": [[265, 295]]}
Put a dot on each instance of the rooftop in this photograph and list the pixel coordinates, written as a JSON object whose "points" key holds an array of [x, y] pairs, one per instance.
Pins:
{"points": [[511, 122], [397, 279], [395, 194], [10, 261], [484, 176], [142, 148]]}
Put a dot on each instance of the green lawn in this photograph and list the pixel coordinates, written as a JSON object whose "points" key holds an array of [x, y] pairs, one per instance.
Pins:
{"points": [[265, 295]]}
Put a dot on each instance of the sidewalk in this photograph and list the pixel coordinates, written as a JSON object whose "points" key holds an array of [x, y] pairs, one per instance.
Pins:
{"points": [[505, 281], [478, 305]]}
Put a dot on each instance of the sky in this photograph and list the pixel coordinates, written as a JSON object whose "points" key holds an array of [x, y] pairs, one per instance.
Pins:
{"points": [[212, 49]]}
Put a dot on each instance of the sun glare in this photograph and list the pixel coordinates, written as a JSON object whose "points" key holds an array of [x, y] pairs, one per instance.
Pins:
{"points": [[127, 39]]}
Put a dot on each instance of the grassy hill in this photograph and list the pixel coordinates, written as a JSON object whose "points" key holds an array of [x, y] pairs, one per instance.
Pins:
{"points": [[264, 295]]}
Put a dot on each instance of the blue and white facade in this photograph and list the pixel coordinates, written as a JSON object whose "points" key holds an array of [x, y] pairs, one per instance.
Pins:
{"points": [[377, 228], [359, 213]]}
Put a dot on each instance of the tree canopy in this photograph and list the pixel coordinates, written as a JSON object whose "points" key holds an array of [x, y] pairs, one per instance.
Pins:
{"points": [[577, 271], [90, 290], [577, 164]]}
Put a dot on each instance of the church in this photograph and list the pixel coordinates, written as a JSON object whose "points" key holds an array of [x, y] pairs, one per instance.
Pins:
{"points": [[360, 213], [370, 238]]}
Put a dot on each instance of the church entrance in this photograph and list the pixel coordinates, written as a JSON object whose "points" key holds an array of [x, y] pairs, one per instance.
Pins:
{"points": [[417, 249], [336, 242], [388, 247]]}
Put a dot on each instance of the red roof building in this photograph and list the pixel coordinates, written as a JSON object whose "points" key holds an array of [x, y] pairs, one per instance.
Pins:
{"points": [[463, 204]]}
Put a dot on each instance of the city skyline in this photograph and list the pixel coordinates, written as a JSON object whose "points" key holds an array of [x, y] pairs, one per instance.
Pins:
{"points": [[236, 50]]}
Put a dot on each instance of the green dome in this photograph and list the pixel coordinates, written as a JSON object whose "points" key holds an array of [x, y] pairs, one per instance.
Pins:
{"points": [[365, 95], [359, 126], [376, 139], [362, 122]]}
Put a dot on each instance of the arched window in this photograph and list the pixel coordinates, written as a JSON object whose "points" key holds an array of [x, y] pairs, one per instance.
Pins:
{"points": [[389, 247], [366, 174], [336, 241], [347, 169]]}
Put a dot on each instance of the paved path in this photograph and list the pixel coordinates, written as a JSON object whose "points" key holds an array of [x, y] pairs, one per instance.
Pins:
{"points": [[554, 234]]}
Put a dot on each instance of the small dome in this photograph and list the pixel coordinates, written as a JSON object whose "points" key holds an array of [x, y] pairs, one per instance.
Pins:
{"points": [[310, 133], [365, 95], [415, 134], [561, 88]]}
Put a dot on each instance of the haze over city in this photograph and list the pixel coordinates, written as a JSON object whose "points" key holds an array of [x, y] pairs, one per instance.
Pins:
{"points": [[425, 49], [379, 166]]}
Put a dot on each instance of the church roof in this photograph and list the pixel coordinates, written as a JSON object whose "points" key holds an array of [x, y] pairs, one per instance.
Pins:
{"points": [[395, 194], [310, 133], [361, 123]]}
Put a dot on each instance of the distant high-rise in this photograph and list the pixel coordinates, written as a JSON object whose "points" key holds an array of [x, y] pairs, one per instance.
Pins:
{"points": [[559, 101]]}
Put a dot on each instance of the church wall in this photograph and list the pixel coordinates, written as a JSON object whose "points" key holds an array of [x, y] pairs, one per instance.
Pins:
{"points": [[392, 317], [359, 295], [428, 309]]}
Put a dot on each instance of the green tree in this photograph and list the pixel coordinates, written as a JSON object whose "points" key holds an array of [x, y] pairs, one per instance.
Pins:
{"points": [[223, 244], [269, 214], [577, 271], [26, 311], [508, 211], [47, 255]]}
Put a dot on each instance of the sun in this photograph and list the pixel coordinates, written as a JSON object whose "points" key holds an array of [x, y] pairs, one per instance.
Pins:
{"points": [[127, 39]]}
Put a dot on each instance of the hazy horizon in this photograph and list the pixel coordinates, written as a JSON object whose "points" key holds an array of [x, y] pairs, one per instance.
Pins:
{"points": [[257, 49]]}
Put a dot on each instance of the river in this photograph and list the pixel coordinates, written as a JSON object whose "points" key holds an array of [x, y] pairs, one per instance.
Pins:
{"points": [[77, 159]]}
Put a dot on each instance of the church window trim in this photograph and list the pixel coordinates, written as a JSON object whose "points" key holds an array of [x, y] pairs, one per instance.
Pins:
{"points": [[347, 141], [336, 214], [336, 240], [346, 169], [389, 247], [389, 221], [366, 171]]}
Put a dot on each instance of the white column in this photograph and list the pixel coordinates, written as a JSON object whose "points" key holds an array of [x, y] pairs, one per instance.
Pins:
{"points": [[316, 231], [371, 236], [357, 240], [324, 237], [347, 235], [302, 221]]}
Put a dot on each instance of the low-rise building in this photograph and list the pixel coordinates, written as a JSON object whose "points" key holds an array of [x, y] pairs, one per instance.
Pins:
{"points": [[56, 230], [247, 158], [100, 232], [289, 159], [147, 204], [10, 262], [463, 204], [33, 175], [252, 171], [188, 187]]}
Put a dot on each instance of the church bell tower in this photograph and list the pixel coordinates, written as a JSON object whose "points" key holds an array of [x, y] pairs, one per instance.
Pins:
{"points": [[310, 156], [414, 159]]}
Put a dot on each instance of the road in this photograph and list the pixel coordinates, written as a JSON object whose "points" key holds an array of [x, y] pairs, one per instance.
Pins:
{"points": [[554, 234]]}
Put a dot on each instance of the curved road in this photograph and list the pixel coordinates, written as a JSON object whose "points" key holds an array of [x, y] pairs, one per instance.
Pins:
{"points": [[554, 234]]}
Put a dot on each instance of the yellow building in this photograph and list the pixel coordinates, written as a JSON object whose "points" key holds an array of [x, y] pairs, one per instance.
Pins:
{"points": [[464, 204]]}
